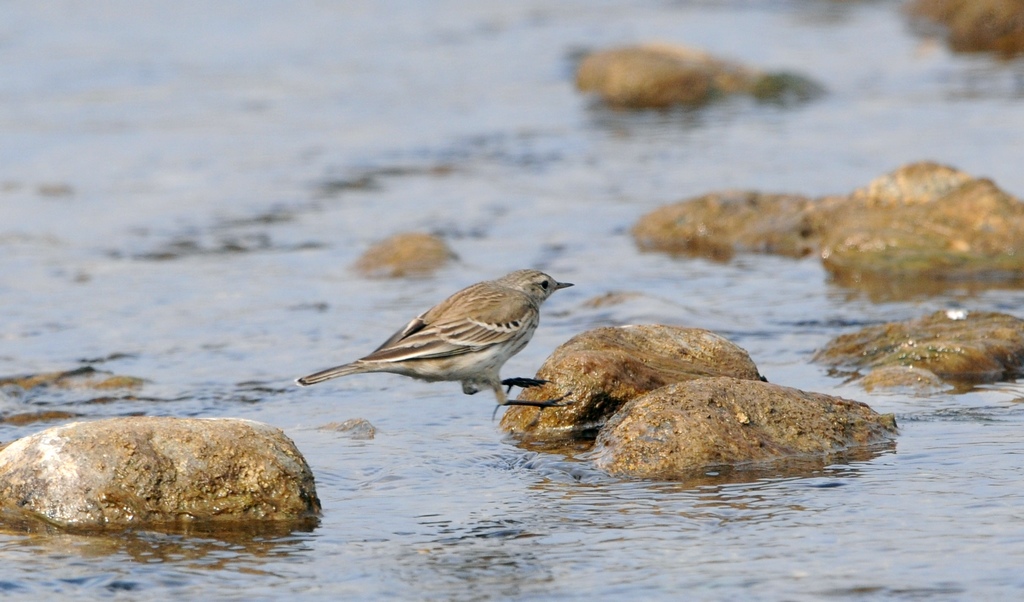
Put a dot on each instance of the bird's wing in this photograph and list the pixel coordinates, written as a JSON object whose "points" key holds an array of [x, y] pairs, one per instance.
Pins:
{"points": [[453, 327], [415, 325]]}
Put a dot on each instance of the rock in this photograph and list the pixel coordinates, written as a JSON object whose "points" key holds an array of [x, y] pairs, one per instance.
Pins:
{"points": [[691, 426], [912, 184], [24, 418], [662, 75], [354, 428], [164, 472], [924, 221], [407, 254], [916, 231], [913, 380], [977, 25], [719, 224], [784, 88], [80, 378], [601, 369], [958, 347]]}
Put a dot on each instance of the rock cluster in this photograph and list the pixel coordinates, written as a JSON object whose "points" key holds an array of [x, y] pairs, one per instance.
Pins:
{"points": [[669, 402]]}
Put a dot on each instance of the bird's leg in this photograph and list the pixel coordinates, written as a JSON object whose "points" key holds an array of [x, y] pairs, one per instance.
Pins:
{"points": [[549, 403], [523, 382]]}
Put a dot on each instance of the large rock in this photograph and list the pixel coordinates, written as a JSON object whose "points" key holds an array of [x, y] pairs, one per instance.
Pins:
{"points": [[685, 428], [662, 75], [977, 25], [956, 346], [145, 471], [406, 254], [924, 221], [601, 369], [719, 224]]}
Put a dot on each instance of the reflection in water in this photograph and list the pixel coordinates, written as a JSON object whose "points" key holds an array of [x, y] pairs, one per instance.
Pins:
{"points": [[527, 545], [199, 543]]}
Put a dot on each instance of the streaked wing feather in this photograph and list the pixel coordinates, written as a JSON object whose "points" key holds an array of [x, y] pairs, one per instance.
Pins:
{"points": [[415, 325], [473, 333]]}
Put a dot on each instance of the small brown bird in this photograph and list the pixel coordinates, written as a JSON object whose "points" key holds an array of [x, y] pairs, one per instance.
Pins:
{"points": [[467, 337]]}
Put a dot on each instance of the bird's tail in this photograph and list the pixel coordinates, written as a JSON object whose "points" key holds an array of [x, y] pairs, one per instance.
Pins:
{"points": [[335, 372]]}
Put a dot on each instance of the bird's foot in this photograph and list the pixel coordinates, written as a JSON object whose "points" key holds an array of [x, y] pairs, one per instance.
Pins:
{"points": [[524, 383], [550, 403]]}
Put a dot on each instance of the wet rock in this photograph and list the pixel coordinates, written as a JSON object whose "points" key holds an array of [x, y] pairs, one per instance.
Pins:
{"points": [[24, 418], [80, 378], [407, 254], [719, 224], [916, 231], [662, 75], [917, 381], [955, 346], [688, 427], [977, 25], [601, 369], [354, 428], [145, 471], [924, 221]]}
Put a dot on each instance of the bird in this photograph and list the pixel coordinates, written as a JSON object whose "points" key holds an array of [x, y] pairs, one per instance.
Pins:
{"points": [[468, 337]]}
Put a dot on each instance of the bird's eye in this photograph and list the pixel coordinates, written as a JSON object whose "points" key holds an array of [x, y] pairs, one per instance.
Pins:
{"points": [[544, 284]]}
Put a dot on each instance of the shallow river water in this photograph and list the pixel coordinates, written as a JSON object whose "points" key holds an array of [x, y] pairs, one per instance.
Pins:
{"points": [[185, 185]]}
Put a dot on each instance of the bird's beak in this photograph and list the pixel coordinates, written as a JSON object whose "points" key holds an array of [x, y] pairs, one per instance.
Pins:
{"points": [[562, 285]]}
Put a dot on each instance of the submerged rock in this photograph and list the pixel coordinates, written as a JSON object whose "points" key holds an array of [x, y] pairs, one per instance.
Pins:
{"points": [[662, 75], [719, 224], [957, 347], [601, 369], [353, 428], [977, 25], [24, 418], [925, 221], [406, 254], [688, 427], [917, 381], [146, 471], [86, 377]]}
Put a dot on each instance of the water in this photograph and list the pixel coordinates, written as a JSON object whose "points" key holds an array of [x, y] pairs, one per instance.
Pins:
{"points": [[183, 187]]}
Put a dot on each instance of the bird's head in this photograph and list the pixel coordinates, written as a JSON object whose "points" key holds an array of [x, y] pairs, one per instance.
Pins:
{"points": [[534, 283]]}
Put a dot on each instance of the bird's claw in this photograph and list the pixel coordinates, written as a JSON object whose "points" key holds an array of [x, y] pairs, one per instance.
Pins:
{"points": [[549, 403], [523, 383]]}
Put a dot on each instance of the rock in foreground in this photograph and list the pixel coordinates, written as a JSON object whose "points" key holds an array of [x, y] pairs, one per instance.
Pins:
{"points": [[688, 427], [146, 471], [956, 346], [602, 369]]}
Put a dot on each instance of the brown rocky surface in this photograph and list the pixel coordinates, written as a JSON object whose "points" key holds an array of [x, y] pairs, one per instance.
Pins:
{"points": [[156, 472], [955, 346], [601, 369], [688, 427], [405, 254]]}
